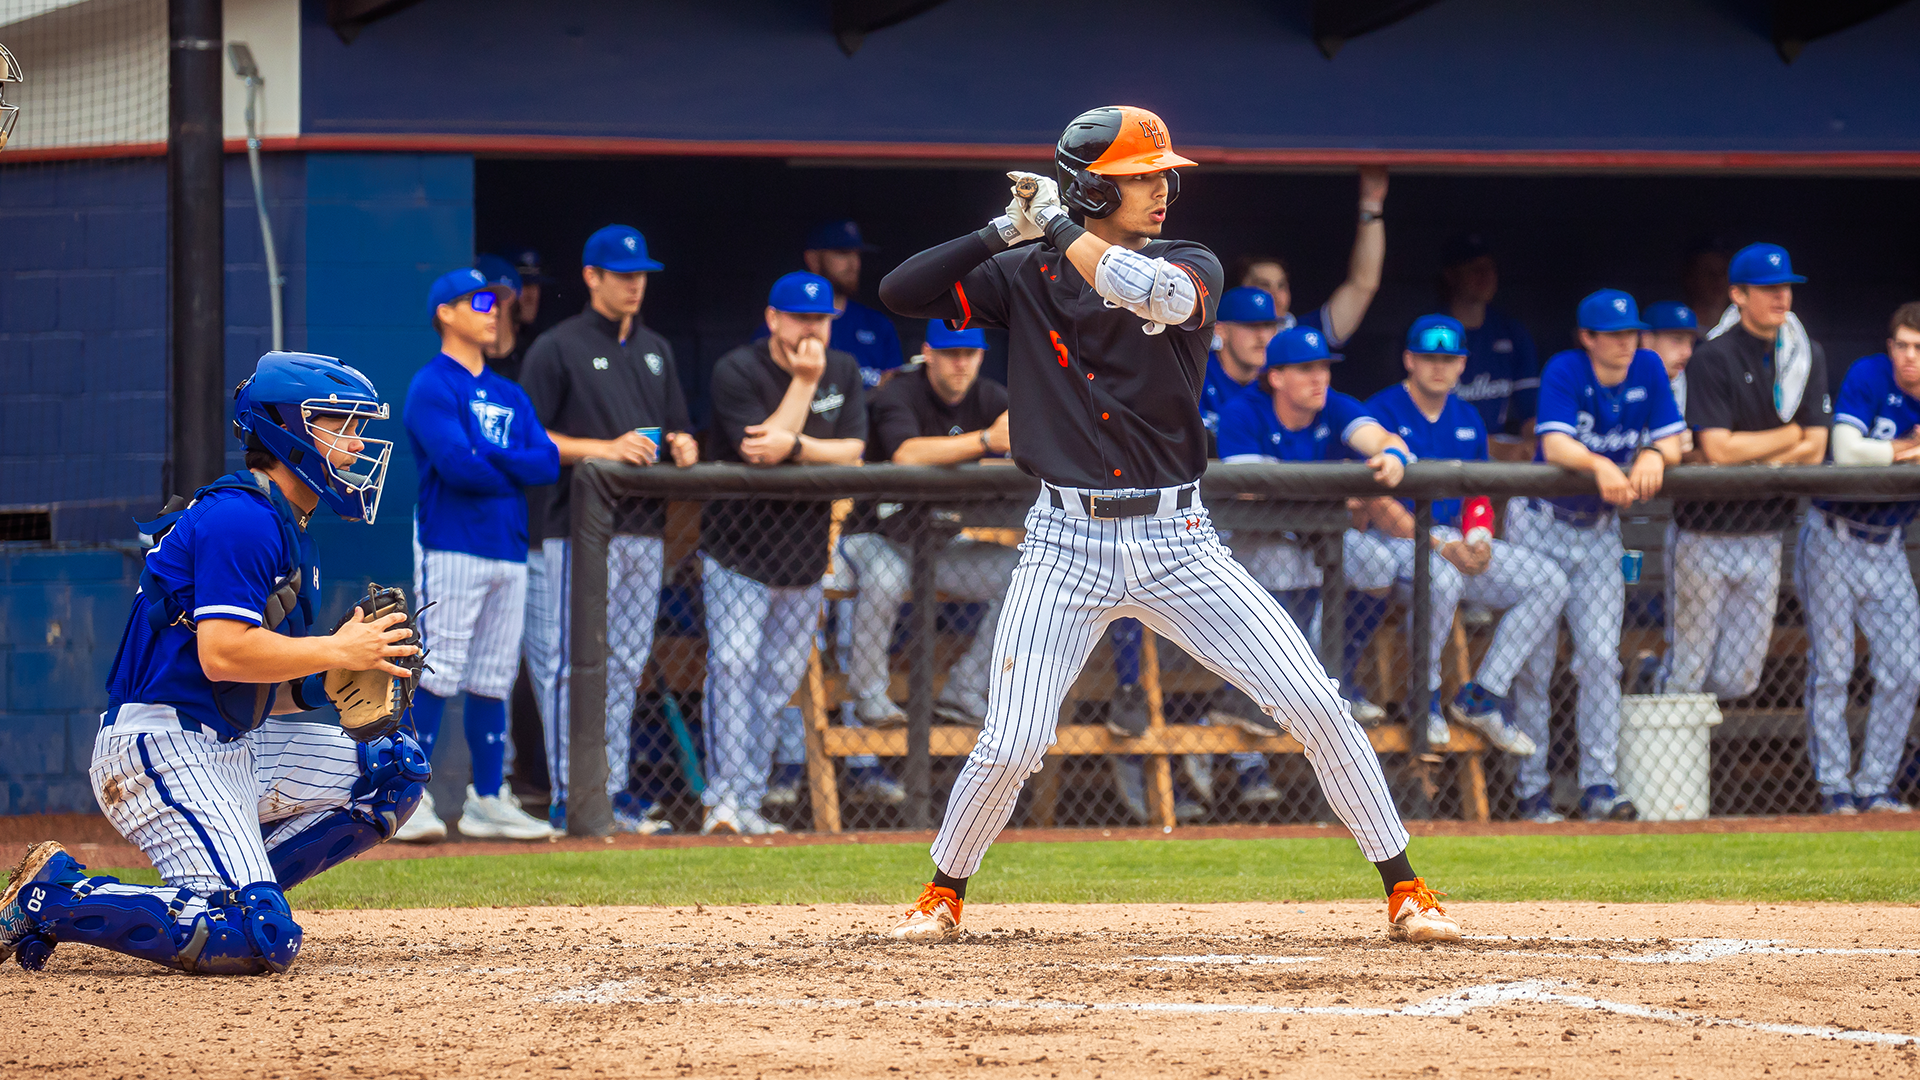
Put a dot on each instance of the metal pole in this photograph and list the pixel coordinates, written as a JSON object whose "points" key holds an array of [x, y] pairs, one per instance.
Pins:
{"points": [[255, 86], [919, 778], [1418, 638], [196, 256]]}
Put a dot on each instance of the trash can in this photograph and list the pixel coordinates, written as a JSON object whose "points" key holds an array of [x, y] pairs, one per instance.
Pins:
{"points": [[1665, 757]]}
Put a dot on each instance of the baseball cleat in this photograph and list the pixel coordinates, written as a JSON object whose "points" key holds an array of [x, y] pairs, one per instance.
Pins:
{"points": [[640, 817], [1838, 805], [1883, 803], [952, 712], [1602, 803], [1127, 712], [784, 788], [725, 820], [1475, 708], [1538, 808], [41, 861], [933, 917], [879, 711], [423, 826], [1414, 914], [1254, 787], [872, 784], [1364, 711], [494, 817], [1437, 733]]}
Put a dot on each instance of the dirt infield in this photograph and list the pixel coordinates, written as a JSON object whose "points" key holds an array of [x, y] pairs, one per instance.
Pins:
{"points": [[1232, 990]]}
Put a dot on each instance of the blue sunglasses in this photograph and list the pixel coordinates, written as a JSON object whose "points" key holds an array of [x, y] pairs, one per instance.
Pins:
{"points": [[1439, 339], [483, 301]]}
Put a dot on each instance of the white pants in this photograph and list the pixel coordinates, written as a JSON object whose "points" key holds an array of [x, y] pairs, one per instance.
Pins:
{"points": [[634, 566], [1373, 562], [474, 625], [206, 812], [1279, 565], [1722, 591], [964, 570], [1843, 580], [1596, 605], [758, 641], [1076, 575]]}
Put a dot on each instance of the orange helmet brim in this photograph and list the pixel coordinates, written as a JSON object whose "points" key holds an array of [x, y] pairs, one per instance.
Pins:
{"points": [[1142, 146]]}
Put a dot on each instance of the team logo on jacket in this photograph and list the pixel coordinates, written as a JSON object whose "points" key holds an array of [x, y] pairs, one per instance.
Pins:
{"points": [[316, 580], [1638, 393], [1504, 345], [1465, 434], [829, 402], [654, 362], [599, 363], [495, 421], [864, 337]]}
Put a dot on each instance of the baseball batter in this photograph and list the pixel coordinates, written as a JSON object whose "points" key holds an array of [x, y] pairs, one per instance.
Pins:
{"points": [[1108, 329], [479, 447], [1851, 569], [233, 805], [1607, 409]]}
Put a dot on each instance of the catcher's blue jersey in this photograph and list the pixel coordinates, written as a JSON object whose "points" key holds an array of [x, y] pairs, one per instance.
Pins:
{"points": [[224, 558], [1872, 403]]}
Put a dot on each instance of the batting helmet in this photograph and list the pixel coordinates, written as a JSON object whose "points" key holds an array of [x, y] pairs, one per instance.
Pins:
{"points": [[1114, 140], [9, 73]]}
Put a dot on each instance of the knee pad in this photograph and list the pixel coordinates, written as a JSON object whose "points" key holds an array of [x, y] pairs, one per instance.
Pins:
{"points": [[246, 931], [393, 776]]}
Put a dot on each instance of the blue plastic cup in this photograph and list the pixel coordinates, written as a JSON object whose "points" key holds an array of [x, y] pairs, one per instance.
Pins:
{"points": [[654, 434], [1630, 563]]}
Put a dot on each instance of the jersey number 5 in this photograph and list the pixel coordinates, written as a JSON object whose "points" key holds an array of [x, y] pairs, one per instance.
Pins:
{"points": [[1059, 347]]}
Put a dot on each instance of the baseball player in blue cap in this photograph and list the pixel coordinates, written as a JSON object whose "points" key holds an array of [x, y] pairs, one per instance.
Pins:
{"points": [[1756, 393], [1290, 414], [192, 762], [833, 251], [1340, 316], [478, 445], [507, 352], [787, 397], [603, 384], [1672, 332], [1606, 409], [1471, 565], [1850, 567], [1247, 322]]}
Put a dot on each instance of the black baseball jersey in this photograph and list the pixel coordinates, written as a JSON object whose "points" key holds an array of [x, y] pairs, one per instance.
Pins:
{"points": [[1102, 405], [1730, 385], [907, 408], [586, 383], [774, 541]]}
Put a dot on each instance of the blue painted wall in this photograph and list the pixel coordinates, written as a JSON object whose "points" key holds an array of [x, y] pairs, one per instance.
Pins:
{"points": [[63, 611], [1465, 74]]}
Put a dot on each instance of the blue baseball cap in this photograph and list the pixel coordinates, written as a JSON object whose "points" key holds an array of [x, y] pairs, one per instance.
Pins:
{"points": [[1246, 304], [837, 236], [619, 248], [453, 285], [498, 272], [1761, 264], [1437, 335], [527, 263], [1609, 310], [1670, 315], [801, 293], [1298, 345], [939, 337]]}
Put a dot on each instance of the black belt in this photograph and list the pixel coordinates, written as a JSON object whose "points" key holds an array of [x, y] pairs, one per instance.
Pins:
{"points": [[1576, 518], [1860, 530], [1124, 506]]}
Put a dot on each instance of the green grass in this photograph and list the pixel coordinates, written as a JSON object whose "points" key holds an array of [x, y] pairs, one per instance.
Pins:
{"points": [[1852, 867]]}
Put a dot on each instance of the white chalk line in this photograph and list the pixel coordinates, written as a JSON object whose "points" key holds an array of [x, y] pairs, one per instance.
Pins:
{"points": [[1454, 1004], [1694, 951]]}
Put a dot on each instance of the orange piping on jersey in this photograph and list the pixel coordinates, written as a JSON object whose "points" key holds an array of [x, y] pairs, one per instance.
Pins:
{"points": [[966, 309]]}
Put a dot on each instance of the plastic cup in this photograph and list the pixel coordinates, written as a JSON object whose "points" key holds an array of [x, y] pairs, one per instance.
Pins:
{"points": [[654, 434], [1630, 563]]}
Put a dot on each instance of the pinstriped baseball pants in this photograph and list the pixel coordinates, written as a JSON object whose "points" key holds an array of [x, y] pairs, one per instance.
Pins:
{"points": [[1076, 575]]}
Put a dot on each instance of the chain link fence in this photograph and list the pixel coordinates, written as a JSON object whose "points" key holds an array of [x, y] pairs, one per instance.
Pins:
{"points": [[823, 643]]}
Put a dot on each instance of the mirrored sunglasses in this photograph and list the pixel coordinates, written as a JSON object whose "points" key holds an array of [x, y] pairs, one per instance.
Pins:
{"points": [[483, 301], [1439, 339]]}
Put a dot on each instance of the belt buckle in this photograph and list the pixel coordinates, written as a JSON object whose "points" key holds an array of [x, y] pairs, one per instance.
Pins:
{"points": [[1097, 503]]}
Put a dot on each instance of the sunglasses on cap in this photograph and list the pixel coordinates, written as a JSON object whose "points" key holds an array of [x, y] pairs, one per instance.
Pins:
{"points": [[1438, 339]]}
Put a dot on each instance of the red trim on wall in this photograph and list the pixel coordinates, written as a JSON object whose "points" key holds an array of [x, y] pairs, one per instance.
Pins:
{"points": [[936, 153]]}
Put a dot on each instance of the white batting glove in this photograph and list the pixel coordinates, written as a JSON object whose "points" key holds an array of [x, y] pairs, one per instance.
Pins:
{"points": [[1044, 204]]}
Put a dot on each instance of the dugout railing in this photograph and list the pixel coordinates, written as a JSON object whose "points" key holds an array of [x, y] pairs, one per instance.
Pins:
{"points": [[1757, 752]]}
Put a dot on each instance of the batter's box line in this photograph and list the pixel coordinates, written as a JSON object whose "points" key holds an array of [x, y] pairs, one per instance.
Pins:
{"points": [[1454, 1004]]}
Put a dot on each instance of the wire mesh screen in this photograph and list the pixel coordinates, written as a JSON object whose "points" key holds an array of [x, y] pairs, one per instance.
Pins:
{"points": [[821, 660], [83, 267]]}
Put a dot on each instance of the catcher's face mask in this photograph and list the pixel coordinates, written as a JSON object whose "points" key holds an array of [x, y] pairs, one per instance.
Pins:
{"points": [[9, 114]]}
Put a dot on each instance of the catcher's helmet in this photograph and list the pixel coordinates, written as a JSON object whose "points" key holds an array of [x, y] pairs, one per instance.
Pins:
{"points": [[9, 114], [272, 411], [1114, 140]]}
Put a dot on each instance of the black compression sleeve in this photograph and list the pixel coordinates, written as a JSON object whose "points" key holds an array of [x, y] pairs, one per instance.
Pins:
{"points": [[922, 287]]}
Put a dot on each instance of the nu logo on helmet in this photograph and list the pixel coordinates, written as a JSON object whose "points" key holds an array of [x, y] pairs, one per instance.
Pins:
{"points": [[1152, 131]]}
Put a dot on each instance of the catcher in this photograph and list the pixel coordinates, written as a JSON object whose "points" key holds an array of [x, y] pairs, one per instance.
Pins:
{"points": [[192, 763]]}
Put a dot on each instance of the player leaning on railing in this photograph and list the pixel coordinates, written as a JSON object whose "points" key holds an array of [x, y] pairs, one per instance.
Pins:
{"points": [[1108, 331], [233, 806]]}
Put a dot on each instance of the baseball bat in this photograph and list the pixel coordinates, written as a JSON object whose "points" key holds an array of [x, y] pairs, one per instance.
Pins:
{"points": [[1025, 188]]}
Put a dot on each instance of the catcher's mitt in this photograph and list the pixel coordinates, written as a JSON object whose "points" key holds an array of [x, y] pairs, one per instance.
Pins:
{"points": [[372, 702]]}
